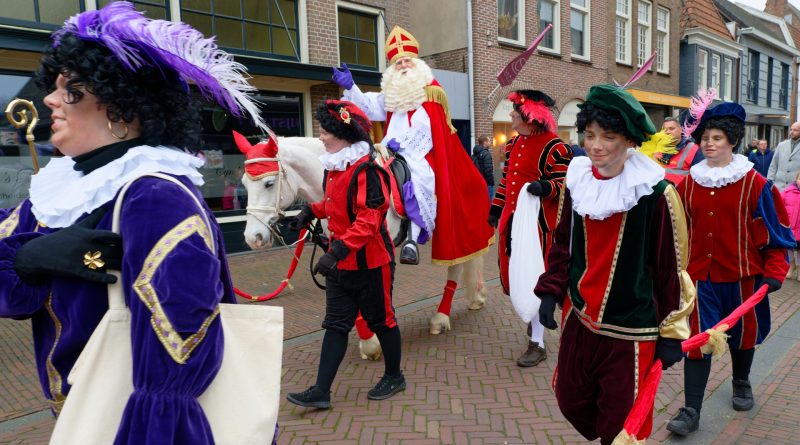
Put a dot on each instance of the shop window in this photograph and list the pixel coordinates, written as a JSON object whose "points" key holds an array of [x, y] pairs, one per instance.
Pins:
{"points": [[251, 27], [358, 39], [16, 166], [154, 9], [511, 21], [40, 14]]}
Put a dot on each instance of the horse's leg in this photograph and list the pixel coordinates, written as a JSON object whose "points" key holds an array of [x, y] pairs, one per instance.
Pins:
{"points": [[441, 320], [473, 283], [368, 343]]}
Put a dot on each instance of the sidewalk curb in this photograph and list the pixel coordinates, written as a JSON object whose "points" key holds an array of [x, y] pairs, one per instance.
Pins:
{"points": [[717, 411]]}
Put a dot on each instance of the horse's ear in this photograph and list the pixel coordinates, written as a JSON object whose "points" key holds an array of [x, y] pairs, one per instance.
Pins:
{"points": [[241, 142]]}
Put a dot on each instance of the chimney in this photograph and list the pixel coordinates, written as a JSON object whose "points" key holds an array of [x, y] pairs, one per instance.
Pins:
{"points": [[775, 7]]}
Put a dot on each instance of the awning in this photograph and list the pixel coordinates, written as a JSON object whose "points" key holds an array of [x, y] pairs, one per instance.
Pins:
{"points": [[649, 97]]}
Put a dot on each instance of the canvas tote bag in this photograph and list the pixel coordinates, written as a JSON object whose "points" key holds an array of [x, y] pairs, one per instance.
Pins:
{"points": [[242, 402]]}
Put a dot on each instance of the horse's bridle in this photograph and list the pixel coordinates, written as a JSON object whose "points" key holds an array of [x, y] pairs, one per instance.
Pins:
{"points": [[256, 210]]}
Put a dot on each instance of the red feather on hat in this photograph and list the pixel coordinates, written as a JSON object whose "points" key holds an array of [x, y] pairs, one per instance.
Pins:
{"points": [[534, 110]]}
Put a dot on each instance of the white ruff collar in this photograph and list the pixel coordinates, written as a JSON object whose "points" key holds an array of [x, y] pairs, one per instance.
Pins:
{"points": [[600, 198], [716, 177], [344, 157], [60, 194]]}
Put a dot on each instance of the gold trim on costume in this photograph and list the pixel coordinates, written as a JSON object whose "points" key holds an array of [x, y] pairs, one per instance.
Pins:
{"points": [[613, 265], [9, 224], [676, 323], [53, 377], [464, 259], [178, 349], [437, 95], [635, 369], [644, 334]]}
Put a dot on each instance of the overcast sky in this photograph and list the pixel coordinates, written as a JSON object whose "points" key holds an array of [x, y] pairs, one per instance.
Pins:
{"points": [[759, 4]]}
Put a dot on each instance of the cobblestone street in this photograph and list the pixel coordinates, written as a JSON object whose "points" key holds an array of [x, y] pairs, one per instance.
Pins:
{"points": [[463, 386]]}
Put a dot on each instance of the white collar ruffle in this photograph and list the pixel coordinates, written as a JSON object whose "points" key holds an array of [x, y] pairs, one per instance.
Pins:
{"points": [[344, 157], [716, 177], [60, 194], [600, 198]]}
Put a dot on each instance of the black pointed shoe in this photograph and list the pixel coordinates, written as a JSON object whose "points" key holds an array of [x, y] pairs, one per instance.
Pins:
{"points": [[742, 395], [409, 254], [687, 421], [387, 386], [311, 398]]}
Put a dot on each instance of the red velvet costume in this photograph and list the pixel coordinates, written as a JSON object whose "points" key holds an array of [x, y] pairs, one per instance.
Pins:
{"points": [[461, 231], [360, 234], [539, 156]]}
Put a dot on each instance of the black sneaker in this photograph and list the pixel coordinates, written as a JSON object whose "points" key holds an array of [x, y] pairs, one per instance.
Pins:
{"points": [[311, 398], [387, 386], [687, 421], [409, 253], [742, 395]]}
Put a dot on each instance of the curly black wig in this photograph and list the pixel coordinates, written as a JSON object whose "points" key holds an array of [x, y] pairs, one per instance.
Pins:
{"points": [[159, 99], [351, 133], [608, 120], [732, 127]]}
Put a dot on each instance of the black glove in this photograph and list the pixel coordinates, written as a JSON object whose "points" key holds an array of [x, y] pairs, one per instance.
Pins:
{"points": [[327, 263], [493, 220], [494, 215], [539, 188], [302, 219], [77, 251], [669, 351], [772, 284], [547, 309]]}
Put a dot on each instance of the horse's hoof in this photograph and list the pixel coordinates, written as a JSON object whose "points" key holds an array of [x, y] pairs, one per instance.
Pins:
{"points": [[440, 323], [478, 301], [370, 348]]}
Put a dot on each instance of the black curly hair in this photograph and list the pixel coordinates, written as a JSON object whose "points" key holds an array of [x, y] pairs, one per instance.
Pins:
{"points": [[158, 98], [609, 120], [351, 133], [732, 127]]}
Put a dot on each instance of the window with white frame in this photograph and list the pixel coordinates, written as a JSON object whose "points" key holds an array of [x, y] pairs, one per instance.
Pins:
{"points": [[727, 80], [645, 22], [662, 40], [702, 69], [715, 74], [549, 13], [511, 21], [622, 27], [579, 32]]}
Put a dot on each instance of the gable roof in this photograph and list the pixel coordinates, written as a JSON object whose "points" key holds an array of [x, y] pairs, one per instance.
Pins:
{"points": [[782, 9], [704, 14], [747, 17]]}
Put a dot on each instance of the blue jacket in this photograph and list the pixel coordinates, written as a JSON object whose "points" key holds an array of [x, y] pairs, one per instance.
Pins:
{"points": [[761, 161]]}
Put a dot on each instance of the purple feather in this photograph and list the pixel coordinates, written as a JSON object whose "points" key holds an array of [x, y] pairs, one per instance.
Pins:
{"points": [[169, 46]]}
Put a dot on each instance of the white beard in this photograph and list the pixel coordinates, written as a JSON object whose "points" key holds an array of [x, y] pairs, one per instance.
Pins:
{"points": [[406, 92]]}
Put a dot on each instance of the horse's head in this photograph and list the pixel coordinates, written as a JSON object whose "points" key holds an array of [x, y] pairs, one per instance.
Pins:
{"points": [[270, 190]]}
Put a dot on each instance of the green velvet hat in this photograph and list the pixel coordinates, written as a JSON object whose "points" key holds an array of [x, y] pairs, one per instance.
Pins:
{"points": [[612, 97]]}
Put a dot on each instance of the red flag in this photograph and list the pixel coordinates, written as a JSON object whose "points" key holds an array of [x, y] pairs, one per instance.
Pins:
{"points": [[511, 70]]}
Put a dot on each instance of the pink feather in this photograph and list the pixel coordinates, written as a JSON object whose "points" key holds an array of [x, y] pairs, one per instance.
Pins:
{"points": [[640, 72], [698, 107]]}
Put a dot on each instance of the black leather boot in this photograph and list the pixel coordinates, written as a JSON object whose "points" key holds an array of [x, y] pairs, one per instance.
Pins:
{"points": [[409, 253]]}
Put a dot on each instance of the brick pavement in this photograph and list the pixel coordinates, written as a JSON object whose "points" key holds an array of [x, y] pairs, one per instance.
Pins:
{"points": [[463, 386]]}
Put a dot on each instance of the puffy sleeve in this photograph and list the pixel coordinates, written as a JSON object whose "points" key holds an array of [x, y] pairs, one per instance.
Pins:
{"points": [[773, 232], [18, 299], [370, 209], [673, 289], [371, 103], [174, 276], [558, 157], [555, 280]]}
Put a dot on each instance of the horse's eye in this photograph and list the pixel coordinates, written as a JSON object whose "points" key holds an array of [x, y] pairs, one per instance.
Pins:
{"points": [[268, 184]]}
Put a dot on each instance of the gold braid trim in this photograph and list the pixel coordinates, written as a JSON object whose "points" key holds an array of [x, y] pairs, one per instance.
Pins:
{"points": [[717, 341], [676, 324], [9, 224], [437, 95]]}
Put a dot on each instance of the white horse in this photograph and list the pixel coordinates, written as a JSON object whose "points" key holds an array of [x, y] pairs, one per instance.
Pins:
{"points": [[295, 171]]}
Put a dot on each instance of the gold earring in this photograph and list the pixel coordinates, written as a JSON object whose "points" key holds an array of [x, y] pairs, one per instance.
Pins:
{"points": [[111, 129]]}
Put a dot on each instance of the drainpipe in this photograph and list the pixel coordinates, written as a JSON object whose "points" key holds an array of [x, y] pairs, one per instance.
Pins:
{"points": [[470, 74]]}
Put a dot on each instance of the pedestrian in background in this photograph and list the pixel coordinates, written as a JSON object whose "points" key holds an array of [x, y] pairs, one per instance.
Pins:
{"points": [[786, 161], [482, 158], [761, 158], [791, 199]]}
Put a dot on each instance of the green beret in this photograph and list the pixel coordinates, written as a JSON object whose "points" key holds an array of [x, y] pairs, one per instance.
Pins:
{"points": [[611, 97]]}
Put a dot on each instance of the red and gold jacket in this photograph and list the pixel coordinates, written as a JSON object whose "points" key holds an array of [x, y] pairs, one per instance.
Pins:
{"points": [[365, 234], [736, 231]]}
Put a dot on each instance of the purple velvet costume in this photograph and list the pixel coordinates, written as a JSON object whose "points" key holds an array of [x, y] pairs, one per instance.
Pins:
{"points": [[158, 223]]}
